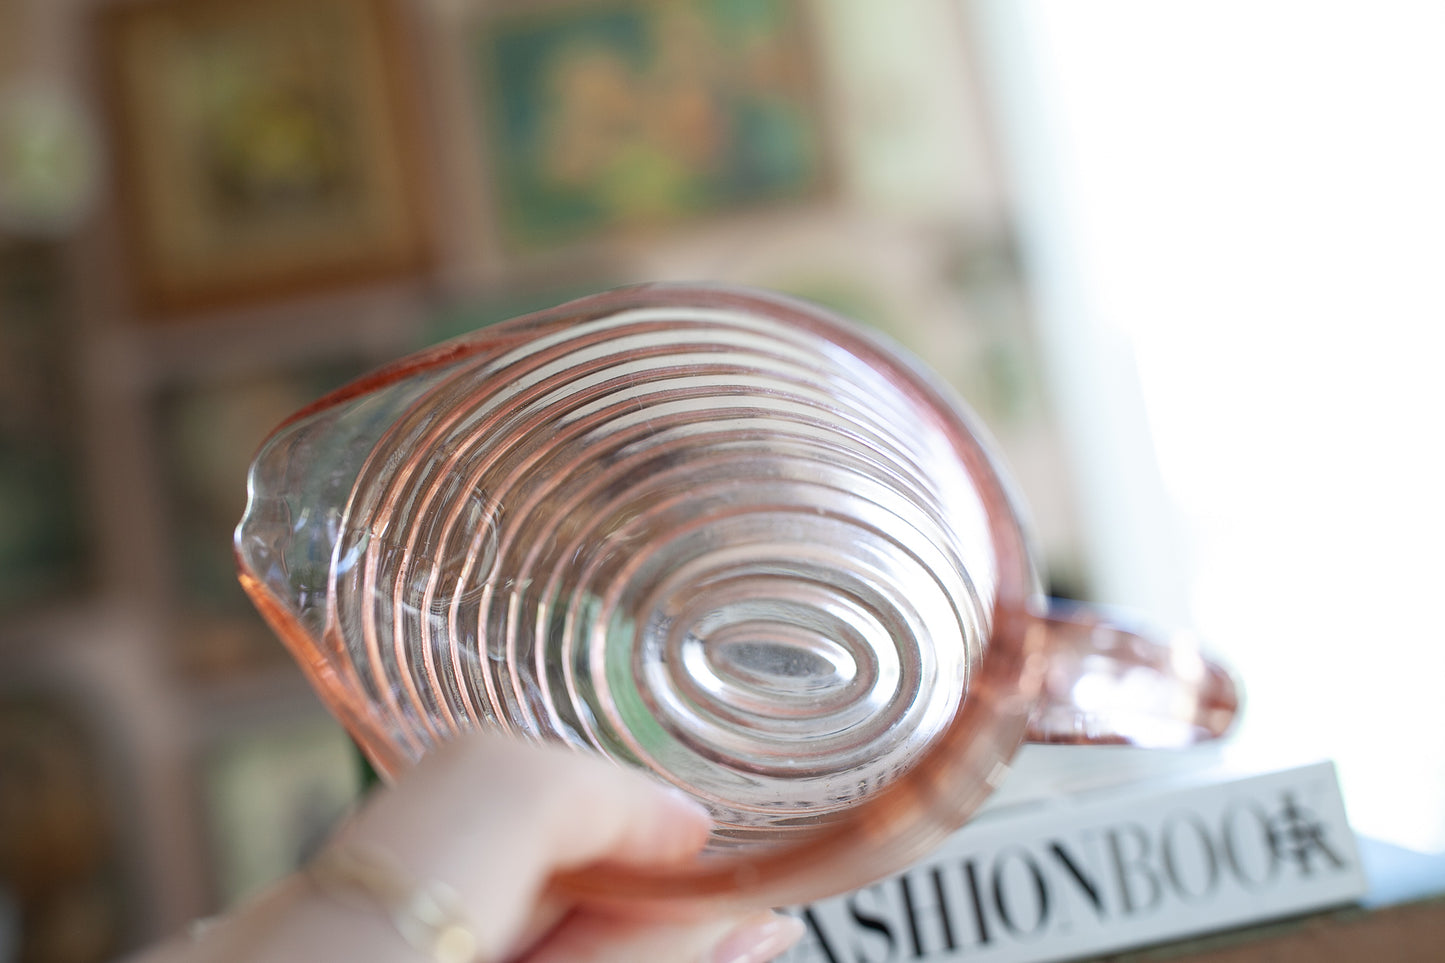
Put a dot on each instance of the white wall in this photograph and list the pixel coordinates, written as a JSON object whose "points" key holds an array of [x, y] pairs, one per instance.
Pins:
{"points": [[1235, 213]]}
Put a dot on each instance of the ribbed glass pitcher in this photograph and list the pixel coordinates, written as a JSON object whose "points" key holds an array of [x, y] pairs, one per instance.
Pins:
{"points": [[716, 534]]}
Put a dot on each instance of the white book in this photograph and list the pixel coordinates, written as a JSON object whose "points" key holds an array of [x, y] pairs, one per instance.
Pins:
{"points": [[1117, 870]]}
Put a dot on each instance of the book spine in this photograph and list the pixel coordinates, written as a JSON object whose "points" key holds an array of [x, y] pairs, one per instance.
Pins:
{"points": [[1076, 879]]}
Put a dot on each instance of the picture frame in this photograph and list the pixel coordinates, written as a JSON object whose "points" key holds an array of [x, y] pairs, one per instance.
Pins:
{"points": [[44, 536], [602, 119], [263, 148], [272, 792], [64, 877], [205, 436]]}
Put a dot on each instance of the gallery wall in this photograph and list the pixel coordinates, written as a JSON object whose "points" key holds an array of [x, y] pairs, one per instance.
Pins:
{"points": [[213, 211]]}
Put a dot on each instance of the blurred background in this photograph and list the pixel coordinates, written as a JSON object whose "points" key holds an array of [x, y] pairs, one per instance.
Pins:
{"points": [[1183, 259]]}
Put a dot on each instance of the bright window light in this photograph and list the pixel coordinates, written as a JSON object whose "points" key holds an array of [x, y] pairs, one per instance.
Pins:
{"points": [[1236, 217]]}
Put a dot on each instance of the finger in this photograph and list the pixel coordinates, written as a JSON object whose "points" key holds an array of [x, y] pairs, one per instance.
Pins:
{"points": [[590, 937], [493, 818]]}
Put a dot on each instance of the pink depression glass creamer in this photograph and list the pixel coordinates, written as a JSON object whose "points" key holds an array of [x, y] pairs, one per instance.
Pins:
{"points": [[713, 533]]}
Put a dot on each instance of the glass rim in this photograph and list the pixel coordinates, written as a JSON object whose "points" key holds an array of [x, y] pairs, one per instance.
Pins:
{"points": [[902, 821]]}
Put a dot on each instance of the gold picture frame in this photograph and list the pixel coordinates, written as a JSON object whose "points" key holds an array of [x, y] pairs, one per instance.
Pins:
{"points": [[262, 147]]}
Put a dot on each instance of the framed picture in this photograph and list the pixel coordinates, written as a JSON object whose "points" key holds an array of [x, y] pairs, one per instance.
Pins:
{"points": [[63, 885], [956, 298], [206, 434], [43, 539], [263, 147], [272, 795], [612, 116], [464, 316]]}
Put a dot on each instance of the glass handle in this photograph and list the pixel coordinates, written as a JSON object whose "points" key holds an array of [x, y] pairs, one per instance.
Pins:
{"points": [[1107, 682]]}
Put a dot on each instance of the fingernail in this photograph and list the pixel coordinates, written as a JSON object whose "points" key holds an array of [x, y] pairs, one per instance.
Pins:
{"points": [[680, 802], [758, 939], [684, 824]]}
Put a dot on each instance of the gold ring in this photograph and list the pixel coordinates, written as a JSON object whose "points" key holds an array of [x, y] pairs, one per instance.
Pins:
{"points": [[427, 914]]}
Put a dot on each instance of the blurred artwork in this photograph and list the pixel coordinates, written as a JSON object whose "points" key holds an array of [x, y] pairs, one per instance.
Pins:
{"points": [[633, 114], [466, 315], [206, 435], [60, 873], [264, 146], [272, 796], [954, 296], [41, 528], [48, 162]]}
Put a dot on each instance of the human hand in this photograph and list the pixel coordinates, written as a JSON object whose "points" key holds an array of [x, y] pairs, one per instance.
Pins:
{"points": [[492, 820]]}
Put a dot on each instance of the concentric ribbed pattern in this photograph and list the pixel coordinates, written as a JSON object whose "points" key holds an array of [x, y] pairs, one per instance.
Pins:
{"points": [[703, 541]]}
